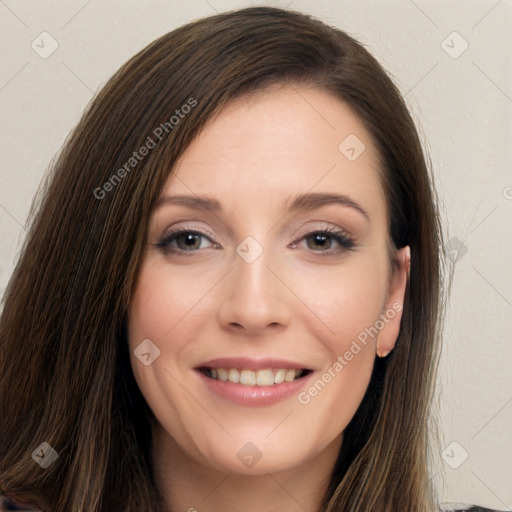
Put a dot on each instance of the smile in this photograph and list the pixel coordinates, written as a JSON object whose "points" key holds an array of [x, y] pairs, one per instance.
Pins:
{"points": [[264, 377], [254, 382]]}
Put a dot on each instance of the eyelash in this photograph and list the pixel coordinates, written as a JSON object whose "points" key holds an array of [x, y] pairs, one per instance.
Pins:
{"points": [[336, 234]]}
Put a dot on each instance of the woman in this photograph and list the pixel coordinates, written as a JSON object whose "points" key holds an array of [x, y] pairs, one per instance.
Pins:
{"points": [[230, 295]]}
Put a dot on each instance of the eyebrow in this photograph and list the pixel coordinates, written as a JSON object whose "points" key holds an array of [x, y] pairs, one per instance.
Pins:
{"points": [[302, 202], [314, 200]]}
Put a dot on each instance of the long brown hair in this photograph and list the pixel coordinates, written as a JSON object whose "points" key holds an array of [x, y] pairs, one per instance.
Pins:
{"points": [[66, 378]]}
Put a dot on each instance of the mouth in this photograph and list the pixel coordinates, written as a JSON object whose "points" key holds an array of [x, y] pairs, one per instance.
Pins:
{"points": [[254, 382], [261, 377]]}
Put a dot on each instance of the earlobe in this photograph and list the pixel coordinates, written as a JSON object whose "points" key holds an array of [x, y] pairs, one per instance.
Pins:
{"points": [[392, 313], [384, 353]]}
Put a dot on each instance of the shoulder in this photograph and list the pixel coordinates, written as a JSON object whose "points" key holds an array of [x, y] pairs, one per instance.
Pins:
{"points": [[8, 504]]}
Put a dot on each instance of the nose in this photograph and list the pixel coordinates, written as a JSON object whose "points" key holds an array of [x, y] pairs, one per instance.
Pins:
{"points": [[254, 298]]}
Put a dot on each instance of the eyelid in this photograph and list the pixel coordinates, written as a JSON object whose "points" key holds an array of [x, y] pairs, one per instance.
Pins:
{"points": [[189, 228], [328, 228], [163, 242], [343, 238]]}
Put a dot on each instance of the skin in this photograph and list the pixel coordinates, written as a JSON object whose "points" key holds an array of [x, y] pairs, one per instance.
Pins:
{"points": [[291, 302]]}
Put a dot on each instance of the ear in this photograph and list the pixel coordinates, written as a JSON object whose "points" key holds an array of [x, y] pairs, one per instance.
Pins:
{"points": [[393, 307]]}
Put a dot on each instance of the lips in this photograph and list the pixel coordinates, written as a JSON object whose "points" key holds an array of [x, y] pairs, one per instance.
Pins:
{"points": [[253, 382], [256, 363]]}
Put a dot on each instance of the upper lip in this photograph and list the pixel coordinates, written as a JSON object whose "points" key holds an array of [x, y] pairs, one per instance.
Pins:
{"points": [[248, 363]]}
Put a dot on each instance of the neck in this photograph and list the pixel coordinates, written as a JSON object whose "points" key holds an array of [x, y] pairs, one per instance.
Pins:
{"points": [[189, 486]]}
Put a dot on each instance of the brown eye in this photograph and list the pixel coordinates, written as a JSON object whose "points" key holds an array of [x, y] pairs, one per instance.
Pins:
{"points": [[184, 241], [319, 241], [188, 241], [324, 242]]}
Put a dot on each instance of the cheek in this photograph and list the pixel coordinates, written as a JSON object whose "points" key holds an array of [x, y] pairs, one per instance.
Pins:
{"points": [[159, 314], [165, 300], [162, 310], [347, 299], [169, 308]]}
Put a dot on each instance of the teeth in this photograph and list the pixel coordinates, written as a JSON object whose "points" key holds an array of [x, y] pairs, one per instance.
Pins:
{"points": [[265, 377], [247, 377], [290, 375], [222, 374], [233, 376], [279, 377]]}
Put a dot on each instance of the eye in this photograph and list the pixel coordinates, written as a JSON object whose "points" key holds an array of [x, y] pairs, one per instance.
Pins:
{"points": [[184, 241], [322, 241], [187, 242]]}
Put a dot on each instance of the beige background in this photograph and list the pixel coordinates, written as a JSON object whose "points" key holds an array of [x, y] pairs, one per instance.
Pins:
{"points": [[461, 99]]}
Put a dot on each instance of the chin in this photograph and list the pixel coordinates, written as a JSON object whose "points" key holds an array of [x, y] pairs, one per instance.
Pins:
{"points": [[248, 459]]}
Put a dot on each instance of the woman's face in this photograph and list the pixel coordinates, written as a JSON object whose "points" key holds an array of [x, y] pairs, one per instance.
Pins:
{"points": [[266, 263]]}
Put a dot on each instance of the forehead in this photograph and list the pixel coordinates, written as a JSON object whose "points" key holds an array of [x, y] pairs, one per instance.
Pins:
{"points": [[262, 149]]}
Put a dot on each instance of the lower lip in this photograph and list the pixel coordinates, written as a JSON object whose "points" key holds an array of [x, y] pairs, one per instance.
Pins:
{"points": [[254, 396]]}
